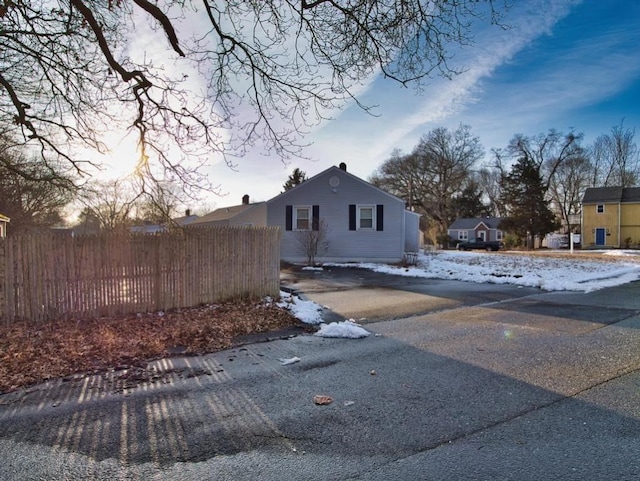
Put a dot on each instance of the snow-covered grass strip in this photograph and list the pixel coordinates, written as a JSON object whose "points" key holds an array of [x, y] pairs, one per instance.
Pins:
{"points": [[307, 311], [548, 273]]}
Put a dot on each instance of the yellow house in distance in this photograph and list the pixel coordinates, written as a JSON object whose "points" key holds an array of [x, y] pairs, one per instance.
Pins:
{"points": [[611, 217], [4, 220]]}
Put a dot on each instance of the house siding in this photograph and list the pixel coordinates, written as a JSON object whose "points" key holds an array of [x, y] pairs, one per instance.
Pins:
{"points": [[630, 223], [608, 220], [620, 219], [412, 231], [333, 201]]}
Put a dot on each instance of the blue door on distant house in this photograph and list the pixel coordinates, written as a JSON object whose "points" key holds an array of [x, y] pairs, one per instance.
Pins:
{"points": [[600, 236]]}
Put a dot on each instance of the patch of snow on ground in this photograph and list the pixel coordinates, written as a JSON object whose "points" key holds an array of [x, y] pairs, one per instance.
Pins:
{"points": [[307, 311], [546, 272], [623, 253], [345, 329]]}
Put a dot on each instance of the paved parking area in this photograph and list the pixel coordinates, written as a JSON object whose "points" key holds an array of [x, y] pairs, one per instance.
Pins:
{"points": [[367, 296], [480, 382]]}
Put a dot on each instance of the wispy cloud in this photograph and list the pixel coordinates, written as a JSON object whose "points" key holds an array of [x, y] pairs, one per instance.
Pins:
{"points": [[406, 116], [557, 59], [448, 98]]}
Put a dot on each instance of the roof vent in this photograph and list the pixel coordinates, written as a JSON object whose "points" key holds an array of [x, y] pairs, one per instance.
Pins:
{"points": [[245, 199], [343, 166]]}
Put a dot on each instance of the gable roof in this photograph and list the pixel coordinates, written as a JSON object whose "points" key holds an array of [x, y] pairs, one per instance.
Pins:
{"points": [[630, 194], [601, 195], [185, 220], [469, 223], [224, 213], [342, 172]]}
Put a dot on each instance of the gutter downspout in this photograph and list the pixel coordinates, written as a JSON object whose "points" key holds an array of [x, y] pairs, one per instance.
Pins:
{"points": [[619, 221]]}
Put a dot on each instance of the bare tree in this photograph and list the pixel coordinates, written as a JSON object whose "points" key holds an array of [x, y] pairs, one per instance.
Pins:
{"points": [[215, 77], [110, 204], [488, 179], [429, 179], [567, 186], [313, 242], [616, 159], [157, 203], [33, 194], [547, 152]]}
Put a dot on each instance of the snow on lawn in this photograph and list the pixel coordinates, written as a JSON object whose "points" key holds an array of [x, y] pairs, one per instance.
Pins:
{"points": [[546, 272], [307, 311], [543, 271], [310, 313]]}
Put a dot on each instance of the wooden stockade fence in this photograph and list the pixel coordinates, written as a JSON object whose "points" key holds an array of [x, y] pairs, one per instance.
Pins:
{"points": [[57, 276]]}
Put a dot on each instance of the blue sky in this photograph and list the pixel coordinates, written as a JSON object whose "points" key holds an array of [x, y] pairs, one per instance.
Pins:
{"points": [[561, 64]]}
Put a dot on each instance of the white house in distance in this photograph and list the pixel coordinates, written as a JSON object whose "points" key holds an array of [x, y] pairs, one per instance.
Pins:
{"points": [[362, 223]]}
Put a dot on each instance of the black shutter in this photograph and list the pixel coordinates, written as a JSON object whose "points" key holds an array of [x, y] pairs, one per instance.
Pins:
{"points": [[380, 217], [352, 217], [289, 217], [315, 223]]}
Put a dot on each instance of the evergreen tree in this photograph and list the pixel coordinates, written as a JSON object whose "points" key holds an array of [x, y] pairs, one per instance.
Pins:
{"points": [[297, 177], [468, 203], [523, 194]]}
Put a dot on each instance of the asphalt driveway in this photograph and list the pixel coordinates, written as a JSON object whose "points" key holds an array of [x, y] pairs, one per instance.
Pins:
{"points": [[368, 296], [457, 381]]}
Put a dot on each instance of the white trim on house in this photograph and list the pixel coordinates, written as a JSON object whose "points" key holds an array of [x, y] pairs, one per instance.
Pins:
{"points": [[297, 209], [369, 220]]}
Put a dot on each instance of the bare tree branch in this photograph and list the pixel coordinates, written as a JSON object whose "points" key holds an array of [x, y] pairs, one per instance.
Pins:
{"points": [[225, 77]]}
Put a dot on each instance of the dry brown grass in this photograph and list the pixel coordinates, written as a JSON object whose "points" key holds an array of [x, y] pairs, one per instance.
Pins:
{"points": [[32, 354], [577, 254]]}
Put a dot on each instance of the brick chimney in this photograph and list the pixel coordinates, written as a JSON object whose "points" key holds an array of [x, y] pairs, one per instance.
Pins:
{"points": [[245, 199]]}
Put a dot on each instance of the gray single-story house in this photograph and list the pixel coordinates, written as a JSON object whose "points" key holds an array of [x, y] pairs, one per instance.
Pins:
{"points": [[359, 222], [245, 214], [468, 229]]}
